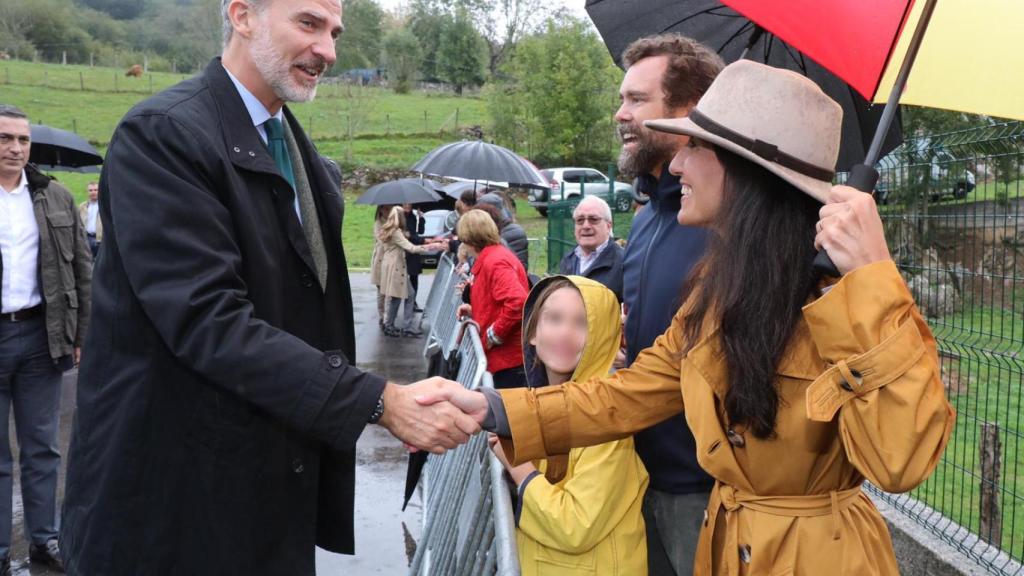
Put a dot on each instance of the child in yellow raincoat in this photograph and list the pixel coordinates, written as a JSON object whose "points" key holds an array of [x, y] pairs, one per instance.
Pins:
{"points": [[577, 514]]}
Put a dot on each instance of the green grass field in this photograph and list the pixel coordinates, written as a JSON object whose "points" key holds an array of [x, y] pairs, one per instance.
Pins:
{"points": [[353, 124]]}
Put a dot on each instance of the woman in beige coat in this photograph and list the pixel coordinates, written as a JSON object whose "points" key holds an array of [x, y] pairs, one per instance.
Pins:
{"points": [[393, 279], [379, 218], [796, 390]]}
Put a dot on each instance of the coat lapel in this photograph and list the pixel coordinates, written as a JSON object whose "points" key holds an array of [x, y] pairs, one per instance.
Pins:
{"points": [[248, 152]]}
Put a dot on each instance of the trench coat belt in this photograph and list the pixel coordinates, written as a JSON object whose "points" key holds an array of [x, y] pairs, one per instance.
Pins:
{"points": [[731, 499]]}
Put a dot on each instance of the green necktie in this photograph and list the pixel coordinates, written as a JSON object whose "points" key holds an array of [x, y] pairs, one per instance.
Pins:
{"points": [[279, 143], [279, 150]]}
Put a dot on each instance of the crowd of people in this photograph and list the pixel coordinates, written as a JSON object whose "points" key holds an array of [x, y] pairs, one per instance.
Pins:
{"points": [[698, 401]]}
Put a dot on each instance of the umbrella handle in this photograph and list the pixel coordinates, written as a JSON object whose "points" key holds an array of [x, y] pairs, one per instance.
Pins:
{"points": [[863, 178]]}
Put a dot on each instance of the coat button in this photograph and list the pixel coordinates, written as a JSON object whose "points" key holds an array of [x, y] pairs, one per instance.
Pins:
{"points": [[252, 154], [307, 280], [745, 554], [298, 466], [859, 379], [334, 361], [237, 149], [735, 438]]}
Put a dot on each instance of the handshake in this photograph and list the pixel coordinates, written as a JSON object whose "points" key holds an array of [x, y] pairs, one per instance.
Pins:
{"points": [[434, 415]]}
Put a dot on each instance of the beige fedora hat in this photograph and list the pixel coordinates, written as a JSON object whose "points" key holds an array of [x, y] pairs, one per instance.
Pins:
{"points": [[776, 118]]}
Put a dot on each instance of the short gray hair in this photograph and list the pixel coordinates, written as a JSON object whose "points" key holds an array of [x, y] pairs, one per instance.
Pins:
{"points": [[606, 210], [12, 111], [226, 28]]}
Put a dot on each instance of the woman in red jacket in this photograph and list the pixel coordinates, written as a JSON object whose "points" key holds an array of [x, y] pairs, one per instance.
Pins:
{"points": [[497, 294]]}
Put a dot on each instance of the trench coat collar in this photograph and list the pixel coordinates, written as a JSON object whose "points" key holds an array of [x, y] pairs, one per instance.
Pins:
{"points": [[799, 361], [245, 147]]}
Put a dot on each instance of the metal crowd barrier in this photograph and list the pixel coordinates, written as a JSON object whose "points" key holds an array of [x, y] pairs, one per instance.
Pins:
{"points": [[442, 303], [468, 522]]}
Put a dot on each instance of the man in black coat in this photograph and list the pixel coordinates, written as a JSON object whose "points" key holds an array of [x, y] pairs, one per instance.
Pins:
{"points": [[415, 224], [596, 255], [218, 403]]}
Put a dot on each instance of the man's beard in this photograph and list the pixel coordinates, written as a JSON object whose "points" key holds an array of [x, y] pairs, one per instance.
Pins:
{"points": [[277, 71], [652, 148]]}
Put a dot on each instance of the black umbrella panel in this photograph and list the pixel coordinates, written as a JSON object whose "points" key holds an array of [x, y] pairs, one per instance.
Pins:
{"points": [[475, 160], [403, 191], [56, 149]]}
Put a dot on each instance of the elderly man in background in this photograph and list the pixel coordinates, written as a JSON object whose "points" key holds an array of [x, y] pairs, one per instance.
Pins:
{"points": [[596, 255]]}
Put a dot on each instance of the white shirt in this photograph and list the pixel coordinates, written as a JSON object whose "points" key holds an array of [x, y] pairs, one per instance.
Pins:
{"points": [[259, 115], [90, 217], [587, 260], [19, 248]]}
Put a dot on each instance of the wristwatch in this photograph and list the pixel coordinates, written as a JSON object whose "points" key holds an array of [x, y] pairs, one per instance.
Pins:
{"points": [[377, 412]]}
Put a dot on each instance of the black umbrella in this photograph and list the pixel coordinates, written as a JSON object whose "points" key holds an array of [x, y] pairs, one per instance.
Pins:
{"points": [[56, 149], [476, 160], [733, 36], [403, 191]]}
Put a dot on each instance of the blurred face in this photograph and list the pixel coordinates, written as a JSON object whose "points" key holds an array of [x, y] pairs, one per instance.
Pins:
{"points": [[703, 182], [561, 332], [643, 150], [15, 144], [94, 192], [407, 207], [591, 227], [292, 45]]}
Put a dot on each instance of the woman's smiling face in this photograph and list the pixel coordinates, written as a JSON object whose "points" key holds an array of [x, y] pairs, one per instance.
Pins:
{"points": [[703, 183]]}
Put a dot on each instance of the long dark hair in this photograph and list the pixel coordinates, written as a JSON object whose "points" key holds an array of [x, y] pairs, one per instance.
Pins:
{"points": [[752, 283]]}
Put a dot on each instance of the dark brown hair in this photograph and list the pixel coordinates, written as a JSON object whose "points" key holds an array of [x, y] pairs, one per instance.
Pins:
{"points": [[752, 284], [692, 66]]}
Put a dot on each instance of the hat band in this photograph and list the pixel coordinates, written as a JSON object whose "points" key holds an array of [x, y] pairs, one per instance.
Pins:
{"points": [[768, 151]]}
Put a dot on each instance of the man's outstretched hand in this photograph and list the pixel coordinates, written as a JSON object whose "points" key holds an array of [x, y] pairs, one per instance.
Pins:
{"points": [[432, 426]]}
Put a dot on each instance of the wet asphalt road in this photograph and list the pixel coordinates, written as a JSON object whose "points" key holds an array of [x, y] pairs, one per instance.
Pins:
{"points": [[385, 536]]}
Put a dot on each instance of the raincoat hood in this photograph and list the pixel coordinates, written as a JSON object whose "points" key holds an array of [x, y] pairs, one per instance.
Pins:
{"points": [[604, 331]]}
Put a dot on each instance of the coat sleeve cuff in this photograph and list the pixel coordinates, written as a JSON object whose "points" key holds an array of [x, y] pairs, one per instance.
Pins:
{"points": [[496, 420], [864, 329], [538, 421], [338, 401], [522, 494]]}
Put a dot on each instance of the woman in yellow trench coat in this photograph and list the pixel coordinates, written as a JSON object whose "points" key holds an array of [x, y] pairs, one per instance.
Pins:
{"points": [[850, 390]]}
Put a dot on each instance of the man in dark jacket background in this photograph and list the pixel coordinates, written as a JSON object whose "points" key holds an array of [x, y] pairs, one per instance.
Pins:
{"points": [[46, 268], [414, 225], [218, 402], [513, 234], [596, 255], [665, 76]]}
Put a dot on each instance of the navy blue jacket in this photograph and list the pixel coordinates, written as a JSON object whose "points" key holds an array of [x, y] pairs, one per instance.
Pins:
{"points": [[607, 269], [659, 256]]}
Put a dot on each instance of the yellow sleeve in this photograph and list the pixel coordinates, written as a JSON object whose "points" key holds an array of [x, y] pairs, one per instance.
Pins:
{"points": [[578, 513], [883, 379], [550, 421]]}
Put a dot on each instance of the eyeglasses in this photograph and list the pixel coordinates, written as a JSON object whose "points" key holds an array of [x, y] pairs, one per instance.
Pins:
{"points": [[7, 139], [593, 220]]}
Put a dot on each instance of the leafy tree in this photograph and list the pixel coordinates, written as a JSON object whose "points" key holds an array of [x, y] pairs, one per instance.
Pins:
{"points": [[557, 95], [460, 54], [360, 45], [119, 9], [402, 57]]}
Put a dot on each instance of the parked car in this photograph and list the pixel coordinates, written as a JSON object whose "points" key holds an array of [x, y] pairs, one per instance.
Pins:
{"points": [[437, 223], [568, 183], [947, 177]]}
